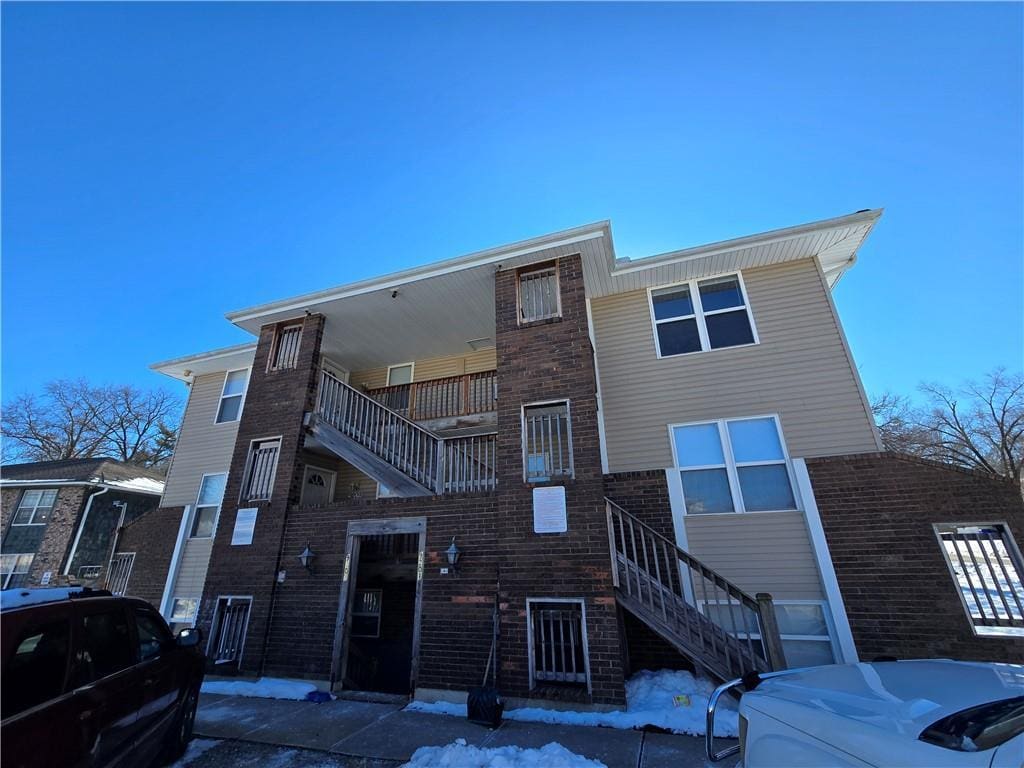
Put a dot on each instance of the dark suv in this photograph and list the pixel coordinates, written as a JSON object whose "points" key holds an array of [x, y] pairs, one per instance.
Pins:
{"points": [[89, 679]]}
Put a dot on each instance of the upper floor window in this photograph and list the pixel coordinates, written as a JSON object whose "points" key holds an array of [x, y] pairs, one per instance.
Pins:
{"points": [[35, 507], [260, 469], [538, 293], [700, 315], [286, 347], [211, 494], [547, 441], [739, 465], [232, 395]]}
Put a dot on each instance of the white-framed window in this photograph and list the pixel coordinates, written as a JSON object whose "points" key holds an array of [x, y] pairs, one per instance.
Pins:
{"points": [[184, 609], [547, 441], [700, 315], [733, 465], [211, 494], [366, 610], [286, 347], [537, 292], [35, 506], [261, 469], [383, 492], [400, 374], [232, 396], [804, 628], [14, 569], [986, 567]]}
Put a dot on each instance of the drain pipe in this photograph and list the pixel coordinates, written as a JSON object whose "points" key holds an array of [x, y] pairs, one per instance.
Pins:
{"points": [[81, 527]]}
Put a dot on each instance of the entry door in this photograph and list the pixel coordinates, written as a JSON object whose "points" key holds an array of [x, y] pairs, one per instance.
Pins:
{"points": [[318, 486]]}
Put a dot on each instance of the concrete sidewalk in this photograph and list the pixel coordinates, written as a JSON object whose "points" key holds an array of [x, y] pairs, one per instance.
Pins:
{"points": [[383, 732]]}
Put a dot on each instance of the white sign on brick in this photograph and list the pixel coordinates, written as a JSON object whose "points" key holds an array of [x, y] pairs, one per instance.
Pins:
{"points": [[549, 510]]}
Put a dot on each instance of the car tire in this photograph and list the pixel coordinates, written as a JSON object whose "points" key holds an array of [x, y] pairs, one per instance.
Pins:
{"points": [[181, 733]]}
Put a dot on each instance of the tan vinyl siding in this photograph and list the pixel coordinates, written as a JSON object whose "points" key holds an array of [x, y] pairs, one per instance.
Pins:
{"points": [[203, 447], [195, 559], [431, 368], [761, 552], [799, 370]]}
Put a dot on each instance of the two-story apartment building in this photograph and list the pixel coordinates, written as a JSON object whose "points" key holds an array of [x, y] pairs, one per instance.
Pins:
{"points": [[630, 459]]}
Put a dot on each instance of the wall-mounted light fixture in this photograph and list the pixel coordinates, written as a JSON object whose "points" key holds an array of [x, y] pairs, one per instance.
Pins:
{"points": [[453, 554], [306, 558]]}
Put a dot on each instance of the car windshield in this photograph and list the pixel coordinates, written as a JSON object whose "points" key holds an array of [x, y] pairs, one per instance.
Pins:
{"points": [[978, 728]]}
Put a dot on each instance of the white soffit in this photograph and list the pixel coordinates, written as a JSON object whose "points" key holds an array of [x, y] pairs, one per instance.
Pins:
{"points": [[214, 361]]}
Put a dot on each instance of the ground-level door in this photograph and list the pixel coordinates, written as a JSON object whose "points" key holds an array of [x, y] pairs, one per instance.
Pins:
{"points": [[376, 645]]}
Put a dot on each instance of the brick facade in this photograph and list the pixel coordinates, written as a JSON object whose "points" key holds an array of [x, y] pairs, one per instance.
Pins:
{"points": [[276, 402], [878, 511], [152, 538], [542, 361], [51, 543]]}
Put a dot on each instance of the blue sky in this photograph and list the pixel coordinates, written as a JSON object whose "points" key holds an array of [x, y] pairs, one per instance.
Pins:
{"points": [[163, 164]]}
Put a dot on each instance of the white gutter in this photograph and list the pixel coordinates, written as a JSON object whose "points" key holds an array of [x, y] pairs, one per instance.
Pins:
{"points": [[81, 527], [66, 483]]}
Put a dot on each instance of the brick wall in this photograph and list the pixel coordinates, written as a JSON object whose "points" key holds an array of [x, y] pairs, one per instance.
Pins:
{"points": [[549, 360], [152, 538], [455, 631], [52, 542], [276, 402], [877, 511]]}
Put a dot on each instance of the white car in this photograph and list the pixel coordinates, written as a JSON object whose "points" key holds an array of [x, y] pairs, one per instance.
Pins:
{"points": [[920, 714]]}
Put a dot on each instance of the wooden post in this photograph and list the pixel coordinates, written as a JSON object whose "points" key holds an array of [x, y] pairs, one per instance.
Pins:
{"points": [[465, 395], [413, 389], [770, 631]]}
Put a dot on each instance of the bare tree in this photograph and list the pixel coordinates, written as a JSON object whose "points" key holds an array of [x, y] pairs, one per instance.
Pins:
{"points": [[73, 419], [979, 424]]}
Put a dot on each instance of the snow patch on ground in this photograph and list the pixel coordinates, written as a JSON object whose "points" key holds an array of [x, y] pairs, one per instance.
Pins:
{"points": [[196, 747], [265, 688], [461, 755], [651, 699]]}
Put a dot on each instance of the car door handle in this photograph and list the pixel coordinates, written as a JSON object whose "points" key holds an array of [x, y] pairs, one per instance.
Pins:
{"points": [[85, 715]]}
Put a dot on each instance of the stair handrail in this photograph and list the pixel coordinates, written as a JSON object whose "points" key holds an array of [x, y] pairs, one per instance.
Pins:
{"points": [[683, 585]]}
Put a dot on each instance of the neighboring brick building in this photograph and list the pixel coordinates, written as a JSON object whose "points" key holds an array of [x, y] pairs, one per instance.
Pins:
{"points": [[60, 519], [636, 459]]}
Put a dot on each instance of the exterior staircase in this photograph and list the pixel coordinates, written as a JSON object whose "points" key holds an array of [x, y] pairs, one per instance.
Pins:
{"points": [[397, 452], [707, 618]]}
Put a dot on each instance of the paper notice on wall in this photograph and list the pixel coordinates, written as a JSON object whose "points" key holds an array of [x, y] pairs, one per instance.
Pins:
{"points": [[549, 510], [245, 524], [46, 578]]}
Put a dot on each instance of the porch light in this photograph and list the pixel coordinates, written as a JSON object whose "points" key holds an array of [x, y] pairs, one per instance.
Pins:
{"points": [[453, 554], [306, 558]]}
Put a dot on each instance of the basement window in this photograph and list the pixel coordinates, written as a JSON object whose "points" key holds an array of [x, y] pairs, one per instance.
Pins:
{"points": [[230, 624], [557, 642], [986, 568], [538, 293]]}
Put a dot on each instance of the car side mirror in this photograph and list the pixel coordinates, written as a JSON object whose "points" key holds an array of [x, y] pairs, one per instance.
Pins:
{"points": [[188, 637]]}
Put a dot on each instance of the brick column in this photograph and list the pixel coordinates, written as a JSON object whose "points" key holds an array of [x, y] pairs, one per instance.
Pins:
{"points": [[275, 404], [549, 360]]}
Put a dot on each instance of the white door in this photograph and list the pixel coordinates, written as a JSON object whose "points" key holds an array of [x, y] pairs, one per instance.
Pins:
{"points": [[318, 487]]}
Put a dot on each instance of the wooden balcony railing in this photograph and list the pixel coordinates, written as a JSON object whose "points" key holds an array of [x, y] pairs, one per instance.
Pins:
{"points": [[441, 398]]}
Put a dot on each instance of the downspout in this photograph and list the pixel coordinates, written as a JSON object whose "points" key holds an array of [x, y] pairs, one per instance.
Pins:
{"points": [[81, 527]]}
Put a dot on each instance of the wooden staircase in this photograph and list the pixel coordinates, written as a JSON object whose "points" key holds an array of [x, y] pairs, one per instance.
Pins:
{"points": [[397, 452], [707, 618]]}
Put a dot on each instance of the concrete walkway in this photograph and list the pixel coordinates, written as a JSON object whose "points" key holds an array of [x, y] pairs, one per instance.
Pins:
{"points": [[383, 732]]}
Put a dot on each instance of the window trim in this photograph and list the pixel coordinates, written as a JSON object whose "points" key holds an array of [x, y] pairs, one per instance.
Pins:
{"points": [[32, 517], [522, 433], [197, 506], [412, 373], [531, 660], [279, 331], [829, 637], [732, 466], [5, 578], [527, 269], [191, 620], [220, 400], [699, 314], [218, 617]]}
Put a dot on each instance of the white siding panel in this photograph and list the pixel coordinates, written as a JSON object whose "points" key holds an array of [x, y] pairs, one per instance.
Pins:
{"points": [[195, 559], [203, 447], [800, 370], [761, 552]]}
